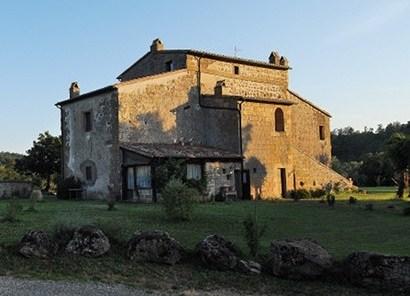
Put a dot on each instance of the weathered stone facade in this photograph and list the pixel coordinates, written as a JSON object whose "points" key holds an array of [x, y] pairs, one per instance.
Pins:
{"points": [[169, 96]]}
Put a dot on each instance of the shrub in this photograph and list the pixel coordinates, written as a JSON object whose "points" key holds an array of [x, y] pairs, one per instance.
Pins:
{"points": [[12, 210], [331, 200], [64, 185], [317, 193], [178, 200], [253, 234], [298, 194], [406, 211], [352, 200]]}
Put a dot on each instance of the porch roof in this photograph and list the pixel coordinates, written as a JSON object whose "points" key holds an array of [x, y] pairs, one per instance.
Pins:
{"points": [[159, 150]]}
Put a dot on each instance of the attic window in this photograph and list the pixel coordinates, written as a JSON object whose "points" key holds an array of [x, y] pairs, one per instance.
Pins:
{"points": [[321, 132], [169, 66], [236, 70]]}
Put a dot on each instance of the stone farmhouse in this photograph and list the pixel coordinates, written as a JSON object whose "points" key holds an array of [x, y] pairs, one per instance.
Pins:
{"points": [[230, 119]]}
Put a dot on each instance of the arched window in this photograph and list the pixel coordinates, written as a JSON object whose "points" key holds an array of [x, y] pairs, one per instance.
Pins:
{"points": [[279, 120]]}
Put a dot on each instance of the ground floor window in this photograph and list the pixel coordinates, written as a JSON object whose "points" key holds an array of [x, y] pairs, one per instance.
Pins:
{"points": [[139, 177], [143, 175], [193, 171]]}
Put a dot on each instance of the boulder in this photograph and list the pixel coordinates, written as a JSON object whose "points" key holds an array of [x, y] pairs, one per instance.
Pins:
{"points": [[218, 253], [154, 246], [378, 271], [37, 243], [88, 241], [298, 259]]}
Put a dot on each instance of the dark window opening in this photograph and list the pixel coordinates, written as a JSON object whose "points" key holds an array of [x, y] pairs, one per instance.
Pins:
{"points": [[236, 70], [279, 120], [87, 121], [254, 170], [322, 132], [88, 173], [169, 66]]}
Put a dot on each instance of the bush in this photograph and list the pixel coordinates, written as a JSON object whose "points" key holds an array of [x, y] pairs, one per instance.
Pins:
{"points": [[12, 210], [317, 193], [253, 234], [298, 194], [64, 185], [406, 211], [178, 200], [331, 200], [352, 200]]}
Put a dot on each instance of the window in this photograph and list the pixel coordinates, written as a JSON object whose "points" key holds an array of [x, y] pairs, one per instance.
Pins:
{"points": [[321, 132], [236, 70], [88, 173], [87, 121], [143, 177], [169, 66], [279, 120], [130, 179], [193, 171]]}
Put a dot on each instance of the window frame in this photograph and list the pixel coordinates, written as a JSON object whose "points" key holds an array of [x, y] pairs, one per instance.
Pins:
{"points": [[279, 117], [236, 70], [322, 136], [88, 122], [194, 166], [169, 66]]}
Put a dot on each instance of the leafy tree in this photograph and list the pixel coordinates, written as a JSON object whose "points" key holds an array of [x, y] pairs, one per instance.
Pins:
{"points": [[398, 148], [43, 159], [7, 170]]}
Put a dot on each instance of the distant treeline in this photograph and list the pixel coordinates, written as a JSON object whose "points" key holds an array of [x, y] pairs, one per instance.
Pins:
{"points": [[362, 155]]}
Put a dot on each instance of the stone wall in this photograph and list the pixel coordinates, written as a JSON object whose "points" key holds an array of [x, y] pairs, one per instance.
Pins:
{"points": [[310, 174], [305, 126], [220, 174], [154, 63], [97, 148], [15, 188]]}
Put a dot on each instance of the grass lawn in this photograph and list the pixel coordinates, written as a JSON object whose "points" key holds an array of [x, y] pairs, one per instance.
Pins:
{"points": [[341, 230]]}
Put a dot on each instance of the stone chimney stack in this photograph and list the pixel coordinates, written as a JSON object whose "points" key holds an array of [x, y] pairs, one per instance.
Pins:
{"points": [[74, 90], [274, 58], [157, 45], [219, 88]]}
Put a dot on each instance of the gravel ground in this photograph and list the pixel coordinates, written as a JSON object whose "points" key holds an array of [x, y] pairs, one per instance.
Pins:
{"points": [[23, 287]]}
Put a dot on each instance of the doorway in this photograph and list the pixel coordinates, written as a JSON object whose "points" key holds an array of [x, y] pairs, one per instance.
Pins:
{"points": [[283, 182]]}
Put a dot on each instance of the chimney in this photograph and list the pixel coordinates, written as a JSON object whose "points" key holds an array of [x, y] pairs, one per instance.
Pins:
{"points": [[157, 45], [219, 88], [74, 90], [274, 58]]}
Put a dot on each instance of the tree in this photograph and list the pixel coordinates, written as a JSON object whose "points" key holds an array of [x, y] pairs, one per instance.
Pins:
{"points": [[398, 148], [43, 159]]}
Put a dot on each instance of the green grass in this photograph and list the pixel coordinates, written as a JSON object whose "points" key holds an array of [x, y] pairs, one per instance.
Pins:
{"points": [[341, 230]]}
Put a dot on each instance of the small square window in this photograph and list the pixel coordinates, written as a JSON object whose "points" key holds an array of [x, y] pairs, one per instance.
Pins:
{"points": [[236, 70], [169, 66], [321, 132], [88, 173], [87, 121]]}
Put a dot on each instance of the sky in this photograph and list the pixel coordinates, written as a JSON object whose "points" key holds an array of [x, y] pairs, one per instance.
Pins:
{"points": [[351, 58]]}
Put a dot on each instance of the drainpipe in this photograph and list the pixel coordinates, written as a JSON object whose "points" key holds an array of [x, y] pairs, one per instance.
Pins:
{"points": [[238, 109]]}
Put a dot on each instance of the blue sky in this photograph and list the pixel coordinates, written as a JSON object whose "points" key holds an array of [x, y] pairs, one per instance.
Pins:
{"points": [[352, 58]]}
